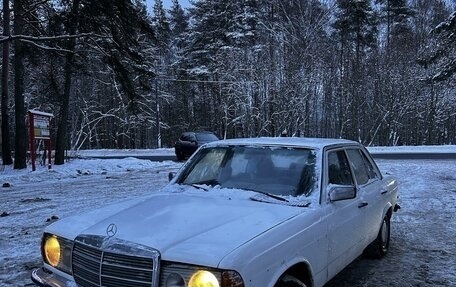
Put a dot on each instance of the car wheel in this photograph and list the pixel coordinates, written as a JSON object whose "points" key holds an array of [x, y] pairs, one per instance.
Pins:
{"points": [[380, 246], [289, 281]]}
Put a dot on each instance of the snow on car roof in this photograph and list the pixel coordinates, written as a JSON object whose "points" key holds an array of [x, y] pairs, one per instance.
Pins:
{"points": [[318, 143]]}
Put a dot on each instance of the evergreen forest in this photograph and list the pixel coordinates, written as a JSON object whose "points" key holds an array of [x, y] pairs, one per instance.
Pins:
{"points": [[121, 75]]}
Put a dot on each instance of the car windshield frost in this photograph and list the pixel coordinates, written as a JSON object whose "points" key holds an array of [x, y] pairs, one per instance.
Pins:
{"points": [[281, 171]]}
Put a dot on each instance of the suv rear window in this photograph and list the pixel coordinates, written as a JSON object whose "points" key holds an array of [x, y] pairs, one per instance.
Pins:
{"points": [[206, 137]]}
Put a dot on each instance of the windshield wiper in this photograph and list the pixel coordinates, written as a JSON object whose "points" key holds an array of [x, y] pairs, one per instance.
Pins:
{"points": [[269, 195], [277, 197], [196, 185], [211, 182]]}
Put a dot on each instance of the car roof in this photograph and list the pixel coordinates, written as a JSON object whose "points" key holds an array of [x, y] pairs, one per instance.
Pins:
{"points": [[198, 132], [315, 143]]}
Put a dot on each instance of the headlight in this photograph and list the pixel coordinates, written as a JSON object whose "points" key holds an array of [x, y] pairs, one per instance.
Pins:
{"points": [[181, 275], [175, 280], [203, 278], [52, 251], [56, 252]]}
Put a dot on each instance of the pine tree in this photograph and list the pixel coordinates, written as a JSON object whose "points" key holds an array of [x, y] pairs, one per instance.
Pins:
{"points": [[5, 129], [20, 145], [439, 59], [123, 27], [178, 23], [161, 25], [356, 31], [442, 53], [179, 26], [356, 25], [401, 30], [397, 14]]}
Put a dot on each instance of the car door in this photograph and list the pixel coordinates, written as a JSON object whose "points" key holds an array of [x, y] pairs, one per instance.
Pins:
{"points": [[369, 184], [346, 225]]}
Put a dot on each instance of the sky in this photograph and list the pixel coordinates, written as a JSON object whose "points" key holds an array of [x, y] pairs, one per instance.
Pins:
{"points": [[167, 3]]}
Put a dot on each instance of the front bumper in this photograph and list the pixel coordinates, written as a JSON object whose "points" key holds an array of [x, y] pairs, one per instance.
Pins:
{"points": [[45, 278]]}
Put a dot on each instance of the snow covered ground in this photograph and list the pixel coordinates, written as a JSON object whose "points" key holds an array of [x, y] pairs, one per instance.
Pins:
{"points": [[125, 152], [415, 149], [423, 231], [170, 151]]}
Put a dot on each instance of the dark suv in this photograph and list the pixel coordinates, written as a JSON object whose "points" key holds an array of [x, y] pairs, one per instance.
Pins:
{"points": [[189, 142]]}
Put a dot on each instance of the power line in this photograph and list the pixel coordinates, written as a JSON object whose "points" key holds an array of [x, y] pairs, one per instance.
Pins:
{"points": [[204, 81]]}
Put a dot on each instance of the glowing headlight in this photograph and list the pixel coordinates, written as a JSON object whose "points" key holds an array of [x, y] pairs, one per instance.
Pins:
{"points": [[57, 252], [203, 279], [182, 275], [52, 251]]}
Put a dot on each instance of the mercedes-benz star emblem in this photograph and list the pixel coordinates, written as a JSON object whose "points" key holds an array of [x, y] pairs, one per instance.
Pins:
{"points": [[111, 230]]}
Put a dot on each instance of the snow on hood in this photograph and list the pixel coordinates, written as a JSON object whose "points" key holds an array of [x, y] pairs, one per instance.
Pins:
{"points": [[189, 226]]}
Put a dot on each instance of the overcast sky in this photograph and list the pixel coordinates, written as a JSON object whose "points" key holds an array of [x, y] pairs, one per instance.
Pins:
{"points": [[168, 3]]}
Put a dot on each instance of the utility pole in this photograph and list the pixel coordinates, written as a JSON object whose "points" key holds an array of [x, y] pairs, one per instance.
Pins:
{"points": [[157, 119]]}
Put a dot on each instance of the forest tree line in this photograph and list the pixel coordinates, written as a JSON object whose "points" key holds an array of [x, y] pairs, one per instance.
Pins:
{"points": [[116, 75]]}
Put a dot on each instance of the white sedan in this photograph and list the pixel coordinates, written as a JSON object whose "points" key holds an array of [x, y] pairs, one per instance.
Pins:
{"points": [[282, 212]]}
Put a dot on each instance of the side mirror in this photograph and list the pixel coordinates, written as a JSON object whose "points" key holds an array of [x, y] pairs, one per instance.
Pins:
{"points": [[341, 192], [171, 176]]}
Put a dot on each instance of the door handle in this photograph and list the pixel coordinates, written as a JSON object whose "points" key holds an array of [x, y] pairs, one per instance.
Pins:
{"points": [[384, 191], [362, 204]]}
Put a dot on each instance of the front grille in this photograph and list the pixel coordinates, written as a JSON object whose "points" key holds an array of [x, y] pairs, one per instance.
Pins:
{"points": [[109, 262]]}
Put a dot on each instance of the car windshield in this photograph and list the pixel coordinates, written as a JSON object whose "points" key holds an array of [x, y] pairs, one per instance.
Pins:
{"points": [[281, 171], [206, 137]]}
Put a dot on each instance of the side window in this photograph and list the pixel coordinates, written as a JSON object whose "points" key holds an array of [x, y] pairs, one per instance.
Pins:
{"points": [[371, 170], [184, 137], [188, 137], [361, 166], [338, 169]]}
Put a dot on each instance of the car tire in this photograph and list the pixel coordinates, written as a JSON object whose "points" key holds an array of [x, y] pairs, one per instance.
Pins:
{"points": [[380, 246], [289, 281]]}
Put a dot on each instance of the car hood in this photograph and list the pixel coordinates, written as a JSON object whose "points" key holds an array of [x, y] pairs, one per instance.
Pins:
{"points": [[195, 228]]}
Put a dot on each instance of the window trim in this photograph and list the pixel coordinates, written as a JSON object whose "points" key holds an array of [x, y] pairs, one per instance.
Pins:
{"points": [[367, 157], [324, 196]]}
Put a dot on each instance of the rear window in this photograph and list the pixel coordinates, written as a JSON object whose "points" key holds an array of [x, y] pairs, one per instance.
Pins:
{"points": [[206, 137], [187, 137]]}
